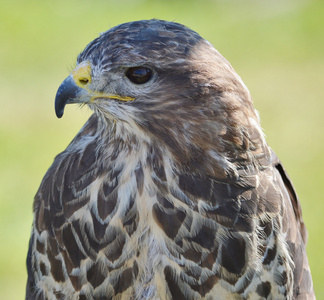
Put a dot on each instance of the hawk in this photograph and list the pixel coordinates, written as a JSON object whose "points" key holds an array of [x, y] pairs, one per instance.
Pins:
{"points": [[169, 191]]}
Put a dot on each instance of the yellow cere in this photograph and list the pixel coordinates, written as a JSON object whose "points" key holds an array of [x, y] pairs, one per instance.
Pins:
{"points": [[82, 76]]}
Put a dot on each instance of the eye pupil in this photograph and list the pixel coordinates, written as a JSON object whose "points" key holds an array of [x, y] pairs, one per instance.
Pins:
{"points": [[139, 75]]}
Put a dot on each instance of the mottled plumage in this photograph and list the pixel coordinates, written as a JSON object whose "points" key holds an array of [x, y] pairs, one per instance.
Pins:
{"points": [[170, 190]]}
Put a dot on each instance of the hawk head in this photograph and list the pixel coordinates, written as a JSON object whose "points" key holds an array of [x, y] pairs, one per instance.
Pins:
{"points": [[169, 190], [160, 82]]}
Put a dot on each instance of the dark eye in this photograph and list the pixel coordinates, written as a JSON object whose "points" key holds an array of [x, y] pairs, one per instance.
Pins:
{"points": [[139, 75]]}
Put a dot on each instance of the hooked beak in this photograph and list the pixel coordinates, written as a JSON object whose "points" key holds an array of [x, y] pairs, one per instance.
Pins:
{"points": [[75, 89], [69, 92]]}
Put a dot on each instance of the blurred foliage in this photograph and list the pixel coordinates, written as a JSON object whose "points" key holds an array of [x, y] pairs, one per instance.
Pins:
{"points": [[276, 46]]}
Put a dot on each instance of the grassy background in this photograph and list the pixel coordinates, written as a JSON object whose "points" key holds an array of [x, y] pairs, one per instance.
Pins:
{"points": [[276, 46]]}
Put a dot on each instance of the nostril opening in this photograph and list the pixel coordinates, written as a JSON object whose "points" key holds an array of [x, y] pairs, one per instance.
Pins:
{"points": [[83, 81]]}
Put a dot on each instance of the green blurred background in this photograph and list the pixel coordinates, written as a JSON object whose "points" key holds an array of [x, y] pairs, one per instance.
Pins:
{"points": [[276, 46]]}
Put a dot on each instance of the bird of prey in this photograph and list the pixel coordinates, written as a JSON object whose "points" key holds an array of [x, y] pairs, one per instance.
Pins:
{"points": [[169, 191]]}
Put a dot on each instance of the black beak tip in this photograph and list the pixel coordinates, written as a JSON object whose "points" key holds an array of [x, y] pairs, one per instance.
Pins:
{"points": [[59, 107], [59, 113]]}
